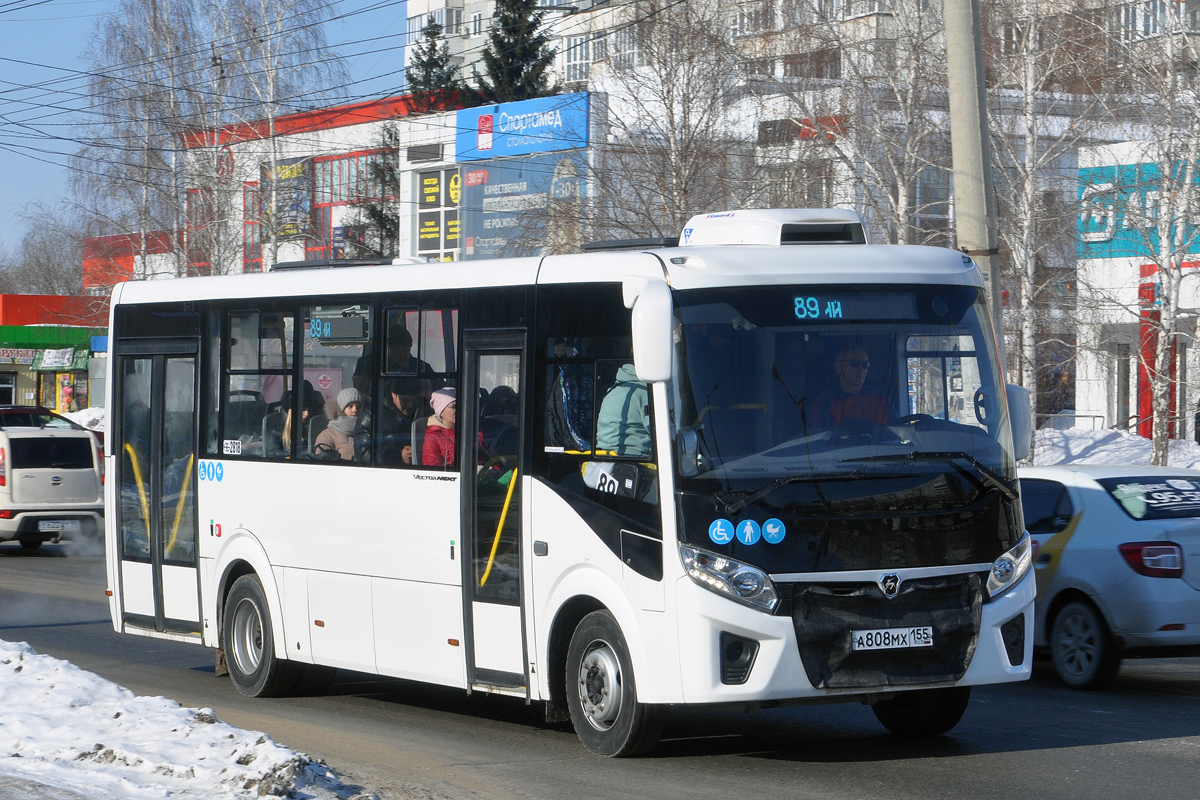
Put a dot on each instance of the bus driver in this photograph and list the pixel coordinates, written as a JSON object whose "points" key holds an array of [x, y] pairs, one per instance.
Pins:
{"points": [[847, 400]]}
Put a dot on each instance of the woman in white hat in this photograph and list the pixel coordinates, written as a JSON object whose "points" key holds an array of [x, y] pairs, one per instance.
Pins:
{"points": [[338, 435], [438, 450]]}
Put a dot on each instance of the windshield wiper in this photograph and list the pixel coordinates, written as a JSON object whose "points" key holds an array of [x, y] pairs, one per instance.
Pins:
{"points": [[988, 476], [807, 477]]}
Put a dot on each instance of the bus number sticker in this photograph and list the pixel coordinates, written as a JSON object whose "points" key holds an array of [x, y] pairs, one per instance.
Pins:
{"points": [[232, 447], [721, 531], [892, 638]]}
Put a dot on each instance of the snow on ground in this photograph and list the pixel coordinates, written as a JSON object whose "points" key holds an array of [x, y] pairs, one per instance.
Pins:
{"points": [[64, 730], [1078, 446]]}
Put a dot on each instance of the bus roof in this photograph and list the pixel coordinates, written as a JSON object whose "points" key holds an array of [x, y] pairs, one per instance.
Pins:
{"points": [[684, 268]]}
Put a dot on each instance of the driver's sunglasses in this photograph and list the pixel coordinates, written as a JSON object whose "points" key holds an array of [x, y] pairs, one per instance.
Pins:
{"points": [[854, 362]]}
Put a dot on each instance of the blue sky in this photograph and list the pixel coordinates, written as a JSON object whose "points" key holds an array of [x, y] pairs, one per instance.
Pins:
{"points": [[42, 42]]}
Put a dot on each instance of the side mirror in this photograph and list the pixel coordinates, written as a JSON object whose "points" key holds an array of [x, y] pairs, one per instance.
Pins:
{"points": [[1019, 420], [652, 344]]}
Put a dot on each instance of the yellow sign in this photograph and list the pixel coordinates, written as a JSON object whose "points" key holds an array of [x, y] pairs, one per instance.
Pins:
{"points": [[455, 188]]}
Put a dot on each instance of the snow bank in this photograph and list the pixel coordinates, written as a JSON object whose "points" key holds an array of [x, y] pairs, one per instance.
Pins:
{"points": [[73, 730], [1080, 446]]}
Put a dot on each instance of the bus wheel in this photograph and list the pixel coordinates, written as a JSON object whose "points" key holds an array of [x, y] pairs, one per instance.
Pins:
{"points": [[602, 695], [250, 643], [1081, 648], [923, 712]]}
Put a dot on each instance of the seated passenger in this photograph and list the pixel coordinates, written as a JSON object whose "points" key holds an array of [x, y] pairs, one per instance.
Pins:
{"points": [[848, 400], [438, 449], [402, 402], [310, 399], [338, 436]]}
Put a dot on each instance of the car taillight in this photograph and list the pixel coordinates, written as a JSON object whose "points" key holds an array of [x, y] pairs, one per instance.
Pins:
{"points": [[7, 513], [1154, 559], [3, 469], [100, 458]]}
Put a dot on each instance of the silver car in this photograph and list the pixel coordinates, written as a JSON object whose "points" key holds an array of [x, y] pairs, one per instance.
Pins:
{"points": [[1116, 552], [51, 479]]}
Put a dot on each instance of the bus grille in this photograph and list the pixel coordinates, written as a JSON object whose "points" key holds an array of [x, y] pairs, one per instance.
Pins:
{"points": [[825, 614]]}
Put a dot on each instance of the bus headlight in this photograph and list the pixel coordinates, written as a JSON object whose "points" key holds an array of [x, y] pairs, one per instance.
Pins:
{"points": [[1009, 568], [729, 577]]}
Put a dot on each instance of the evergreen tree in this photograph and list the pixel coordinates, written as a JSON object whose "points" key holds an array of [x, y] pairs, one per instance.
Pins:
{"points": [[432, 78], [517, 55]]}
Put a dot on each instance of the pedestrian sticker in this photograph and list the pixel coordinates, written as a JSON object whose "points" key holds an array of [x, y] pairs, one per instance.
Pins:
{"points": [[773, 531], [721, 531], [748, 532]]}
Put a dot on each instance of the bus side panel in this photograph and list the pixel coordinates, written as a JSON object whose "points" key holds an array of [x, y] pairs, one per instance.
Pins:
{"points": [[577, 563], [351, 530]]}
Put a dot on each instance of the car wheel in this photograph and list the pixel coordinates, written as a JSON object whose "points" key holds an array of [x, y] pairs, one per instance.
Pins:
{"points": [[31, 544], [1081, 647], [923, 712], [602, 694], [250, 643]]}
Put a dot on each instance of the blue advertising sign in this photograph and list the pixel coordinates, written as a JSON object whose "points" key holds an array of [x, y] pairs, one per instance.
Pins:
{"points": [[521, 206], [541, 125], [1118, 212]]}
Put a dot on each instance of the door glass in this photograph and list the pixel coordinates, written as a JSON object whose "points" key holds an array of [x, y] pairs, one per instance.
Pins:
{"points": [[135, 458], [497, 539], [178, 523]]}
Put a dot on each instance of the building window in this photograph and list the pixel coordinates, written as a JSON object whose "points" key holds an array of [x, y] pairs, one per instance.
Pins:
{"points": [[759, 66], [931, 203], [817, 64], [449, 18], [251, 228], [199, 213], [752, 18], [477, 24], [576, 61], [626, 51]]}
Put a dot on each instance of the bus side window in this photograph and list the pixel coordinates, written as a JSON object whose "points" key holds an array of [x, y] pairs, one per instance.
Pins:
{"points": [[336, 347], [258, 378]]}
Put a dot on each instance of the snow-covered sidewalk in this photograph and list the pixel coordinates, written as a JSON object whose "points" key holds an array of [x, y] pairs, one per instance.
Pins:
{"points": [[67, 733]]}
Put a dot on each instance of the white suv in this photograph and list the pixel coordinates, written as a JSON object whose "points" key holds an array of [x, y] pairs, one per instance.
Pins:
{"points": [[51, 480]]}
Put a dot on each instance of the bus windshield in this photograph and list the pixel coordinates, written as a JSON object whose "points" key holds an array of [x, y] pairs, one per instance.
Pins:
{"points": [[879, 404]]}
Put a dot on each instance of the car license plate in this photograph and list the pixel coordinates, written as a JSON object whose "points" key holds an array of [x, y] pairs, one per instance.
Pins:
{"points": [[58, 526], [892, 638]]}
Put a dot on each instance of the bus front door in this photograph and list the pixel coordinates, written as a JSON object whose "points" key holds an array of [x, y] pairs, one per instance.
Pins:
{"points": [[154, 442], [490, 413]]}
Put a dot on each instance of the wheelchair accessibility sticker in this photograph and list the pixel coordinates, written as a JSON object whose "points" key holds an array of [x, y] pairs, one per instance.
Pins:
{"points": [[721, 531], [211, 471], [748, 532]]}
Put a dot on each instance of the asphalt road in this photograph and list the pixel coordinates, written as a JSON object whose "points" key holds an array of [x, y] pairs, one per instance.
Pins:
{"points": [[1138, 739]]}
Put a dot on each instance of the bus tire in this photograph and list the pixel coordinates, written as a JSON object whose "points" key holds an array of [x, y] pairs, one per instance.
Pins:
{"points": [[313, 679], [1082, 648], [923, 712], [250, 643], [602, 693]]}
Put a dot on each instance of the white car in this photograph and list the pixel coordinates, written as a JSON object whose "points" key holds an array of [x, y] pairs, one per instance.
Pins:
{"points": [[1116, 552]]}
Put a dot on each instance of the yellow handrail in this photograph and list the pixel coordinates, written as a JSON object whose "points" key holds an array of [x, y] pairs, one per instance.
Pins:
{"points": [[187, 477], [512, 483], [137, 476]]}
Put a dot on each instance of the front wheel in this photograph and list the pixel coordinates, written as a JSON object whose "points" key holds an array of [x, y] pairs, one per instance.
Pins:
{"points": [[250, 643], [602, 695], [1081, 648], [923, 712]]}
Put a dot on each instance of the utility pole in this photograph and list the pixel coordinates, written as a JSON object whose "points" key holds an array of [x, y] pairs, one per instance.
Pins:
{"points": [[974, 199]]}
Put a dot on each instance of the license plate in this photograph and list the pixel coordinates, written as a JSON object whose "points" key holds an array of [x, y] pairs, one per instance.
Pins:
{"points": [[58, 526], [892, 638]]}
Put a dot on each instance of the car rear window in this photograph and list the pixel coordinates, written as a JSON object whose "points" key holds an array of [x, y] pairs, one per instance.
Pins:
{"points": [[1155, 497], [75, 453]]}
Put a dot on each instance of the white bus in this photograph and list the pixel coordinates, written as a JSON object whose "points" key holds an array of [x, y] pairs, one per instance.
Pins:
{"points": [[772, 464]]}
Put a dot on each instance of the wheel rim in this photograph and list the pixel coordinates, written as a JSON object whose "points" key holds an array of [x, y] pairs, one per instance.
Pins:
{"points": [[247, 642], [600, 685], [1077, 645]]}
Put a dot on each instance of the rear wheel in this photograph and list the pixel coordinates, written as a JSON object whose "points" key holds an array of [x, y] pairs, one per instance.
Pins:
{"points": [[602, 694], [1082, 649], [31, 544], [924, 712], [250, 643]]}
